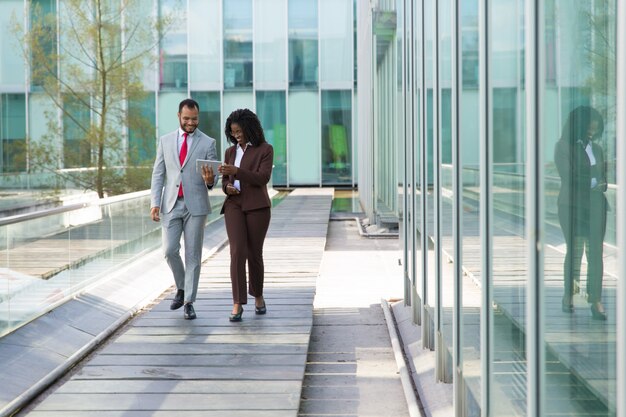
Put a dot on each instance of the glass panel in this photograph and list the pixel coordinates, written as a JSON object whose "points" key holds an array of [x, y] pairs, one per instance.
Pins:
{"points": [[578, 139], [270, 43], [210, 121], [336, 137], [76, 121], [272, 111], [415, 67], [13, 132], [509, 240], [446, 219], [173, 54], [303, 43], [304, 138], [168, 110], [205, 44], [12, 64], [141, 131], [43, 12], [237, 43], [336, 43], [469, 139], [429, 297], [72, 250]]}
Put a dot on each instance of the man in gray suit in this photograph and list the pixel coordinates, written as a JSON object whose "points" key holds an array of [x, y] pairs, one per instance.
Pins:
{"points": [[180, 197]]}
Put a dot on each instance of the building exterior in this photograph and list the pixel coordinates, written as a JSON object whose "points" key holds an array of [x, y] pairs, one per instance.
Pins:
{"points": [[291, 61], [468, 124], [481, 112]]}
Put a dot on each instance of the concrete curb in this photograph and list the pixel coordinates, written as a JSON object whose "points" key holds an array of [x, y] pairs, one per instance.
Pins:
{"points": [[407, 386]]}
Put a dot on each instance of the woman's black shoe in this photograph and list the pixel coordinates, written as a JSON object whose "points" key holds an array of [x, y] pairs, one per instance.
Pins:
{"points": [[597, 314], [236, 317], [260, 310]]}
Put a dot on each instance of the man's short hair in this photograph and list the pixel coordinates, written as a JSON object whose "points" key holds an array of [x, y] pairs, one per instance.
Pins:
{"points": [[192, 104]]}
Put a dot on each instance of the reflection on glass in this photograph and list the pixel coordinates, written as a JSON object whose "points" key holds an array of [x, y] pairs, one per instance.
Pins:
{"points": [[580, 273], [270, 44], [336, 137], [237, 43], [303, 43], [271, 109], [76, 121], [45, 11], [335, 43], [210, 116], [469, 140], [509, 239], [173, 51], [205, 45], [13, 132], [141, 130], [582, 205]]}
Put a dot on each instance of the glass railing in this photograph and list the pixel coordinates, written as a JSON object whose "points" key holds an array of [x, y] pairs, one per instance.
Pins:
{"points": [[50, 256]]}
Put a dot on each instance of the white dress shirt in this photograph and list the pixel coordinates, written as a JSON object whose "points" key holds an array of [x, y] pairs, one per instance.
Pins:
{"points": [[238, 157], [592, 161]]}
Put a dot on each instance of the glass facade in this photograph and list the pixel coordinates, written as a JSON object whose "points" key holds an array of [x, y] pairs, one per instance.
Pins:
{"points": [[291, 61], [237, 44], [507, 130], [303, 43], [173, 63], [271, 109], [141, 131], [76, 122], [336, 137], [13, 132], [205, 63]]}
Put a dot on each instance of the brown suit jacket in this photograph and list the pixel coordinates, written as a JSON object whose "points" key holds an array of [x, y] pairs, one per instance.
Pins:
{"points": [[253, 175]]}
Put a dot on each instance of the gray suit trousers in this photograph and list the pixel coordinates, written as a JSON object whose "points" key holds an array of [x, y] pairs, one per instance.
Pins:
{"points": [[176, 223]]}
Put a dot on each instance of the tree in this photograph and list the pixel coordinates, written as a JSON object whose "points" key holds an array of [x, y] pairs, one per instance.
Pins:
{"points": [[93, 75]]}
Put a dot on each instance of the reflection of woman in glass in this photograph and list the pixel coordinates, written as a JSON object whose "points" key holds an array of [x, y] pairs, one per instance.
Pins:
{"points": [[582, 205]]}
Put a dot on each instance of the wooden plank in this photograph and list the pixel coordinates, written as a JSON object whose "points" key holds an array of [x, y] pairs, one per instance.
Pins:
{"points": [[168, 401], [162, 364], [197, 360], [203, 386]]}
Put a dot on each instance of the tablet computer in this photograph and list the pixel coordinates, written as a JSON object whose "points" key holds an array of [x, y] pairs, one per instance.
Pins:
{"points": [[214, 164]]}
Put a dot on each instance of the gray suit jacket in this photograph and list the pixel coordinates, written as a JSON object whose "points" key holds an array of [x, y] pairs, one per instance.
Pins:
{"points": [[168, 173]]}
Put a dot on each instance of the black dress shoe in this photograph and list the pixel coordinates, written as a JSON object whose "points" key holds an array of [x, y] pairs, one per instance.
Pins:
{"points": [[190, 314], [260, 310], [597, 314], [178, 300], [236, 317]]}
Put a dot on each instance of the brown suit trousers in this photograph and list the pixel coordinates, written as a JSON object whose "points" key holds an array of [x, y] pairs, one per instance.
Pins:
{"points": [[246, 233]]}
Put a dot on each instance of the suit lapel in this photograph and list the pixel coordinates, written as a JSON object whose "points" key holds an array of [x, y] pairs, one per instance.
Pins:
{"points": [[194, 145], [172, 144]]}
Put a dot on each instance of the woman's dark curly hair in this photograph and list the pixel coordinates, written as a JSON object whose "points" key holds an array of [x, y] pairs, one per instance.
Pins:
{"points": [[250, 125], [578, 122]]}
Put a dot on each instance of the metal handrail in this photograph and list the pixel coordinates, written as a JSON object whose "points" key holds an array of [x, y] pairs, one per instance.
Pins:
{"points": [[71, 207]]}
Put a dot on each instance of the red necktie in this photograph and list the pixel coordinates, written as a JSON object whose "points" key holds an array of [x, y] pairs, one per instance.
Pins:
{"points": [[181, 157]]}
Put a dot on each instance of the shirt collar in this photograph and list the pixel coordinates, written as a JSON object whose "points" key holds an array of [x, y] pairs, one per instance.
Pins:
{"points": [[247, 144]]}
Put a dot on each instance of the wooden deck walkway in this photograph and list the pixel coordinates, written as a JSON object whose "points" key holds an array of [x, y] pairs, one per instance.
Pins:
{"points": [[163, 365]]}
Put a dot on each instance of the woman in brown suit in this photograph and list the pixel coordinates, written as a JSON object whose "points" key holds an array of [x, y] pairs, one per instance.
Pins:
{"points": [[582, 205], [247, 209]]}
